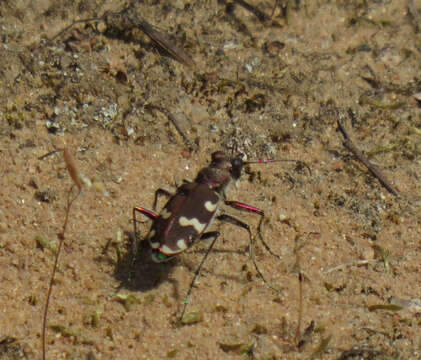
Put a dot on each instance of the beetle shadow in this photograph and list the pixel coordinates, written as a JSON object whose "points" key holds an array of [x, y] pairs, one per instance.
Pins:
{"points": [[146, 274], [192, 266]]}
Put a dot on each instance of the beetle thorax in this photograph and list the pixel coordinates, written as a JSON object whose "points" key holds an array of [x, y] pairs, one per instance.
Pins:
{"points": [[217, 178], [218, 174]]}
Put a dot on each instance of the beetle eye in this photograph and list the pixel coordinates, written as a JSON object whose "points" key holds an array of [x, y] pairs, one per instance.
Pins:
{"points": [[237, 166], [237, 162], [217, 156]]}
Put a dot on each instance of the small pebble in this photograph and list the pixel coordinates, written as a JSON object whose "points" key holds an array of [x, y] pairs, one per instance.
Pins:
{"points": [[367, 252], [282, 217], [273, 48], [101, 27], [198, 113], [191, 318], [99, 186]]}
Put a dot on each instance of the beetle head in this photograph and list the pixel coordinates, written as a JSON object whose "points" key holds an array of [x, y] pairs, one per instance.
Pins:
{"points": [[234, 166], [237, 165]]}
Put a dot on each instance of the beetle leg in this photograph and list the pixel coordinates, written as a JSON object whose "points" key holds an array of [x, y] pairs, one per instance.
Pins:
{"points": [[158, 193], [205, 236], [242, 206], [235, 221], [151, 215], [148, 213]]}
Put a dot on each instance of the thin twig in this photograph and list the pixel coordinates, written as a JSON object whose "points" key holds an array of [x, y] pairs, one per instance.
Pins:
{"points": [[71, 25], [352, 263], [42, 157], [297, 337], [75, 175], [187, 141], [162, 41], [50, 287], [274, 8], [414, 12], [263, 17], [372, 168], [192, 146], [306, 337], [127, 20]]}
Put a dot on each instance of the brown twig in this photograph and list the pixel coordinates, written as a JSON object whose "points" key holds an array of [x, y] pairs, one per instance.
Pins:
{"points": [[297, 337], [263, 17], [53, 274], [42, 157], [359, 155], [68, 27], [162, 41], [275, 5], [191, 145], [74, 173], [301, 339], [127, 19], [414, 12]]}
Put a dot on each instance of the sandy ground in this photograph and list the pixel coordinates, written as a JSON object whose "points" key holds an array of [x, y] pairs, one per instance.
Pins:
{"points": [[270, 90]]}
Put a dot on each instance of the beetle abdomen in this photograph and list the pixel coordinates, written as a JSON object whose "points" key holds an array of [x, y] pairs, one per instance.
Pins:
{"points": [[182, 221]]}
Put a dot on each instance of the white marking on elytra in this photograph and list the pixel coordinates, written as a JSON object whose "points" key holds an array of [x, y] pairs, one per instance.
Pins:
{"points": [[210, 206], [199, 227], [165, 214], [167, 251], [181, 244], [154, 245]]}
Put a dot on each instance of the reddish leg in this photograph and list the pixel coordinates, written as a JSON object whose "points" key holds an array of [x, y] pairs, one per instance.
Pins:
{"points": [[249, 208], [151, 215], [242, 206], [148, 213]]}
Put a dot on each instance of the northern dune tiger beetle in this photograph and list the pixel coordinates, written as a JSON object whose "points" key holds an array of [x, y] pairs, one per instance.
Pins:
{"points": [[188, 214]]}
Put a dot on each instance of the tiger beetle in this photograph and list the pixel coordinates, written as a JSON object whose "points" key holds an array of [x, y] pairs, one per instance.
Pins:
{"points": [[188, 214]]}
